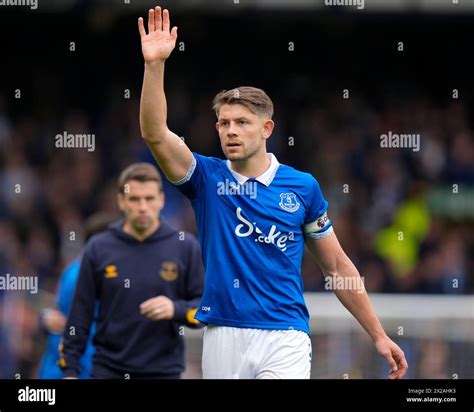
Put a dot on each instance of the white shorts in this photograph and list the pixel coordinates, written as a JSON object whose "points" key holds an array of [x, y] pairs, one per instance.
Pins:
{"points": [[241, 353]]}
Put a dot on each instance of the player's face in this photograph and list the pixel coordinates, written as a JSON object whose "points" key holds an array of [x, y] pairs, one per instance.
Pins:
{"points": [[141, 204], [241, 132]]}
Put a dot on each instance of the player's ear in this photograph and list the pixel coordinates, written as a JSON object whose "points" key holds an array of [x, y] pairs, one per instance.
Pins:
{"points": [[217, 126], [268, 128]]}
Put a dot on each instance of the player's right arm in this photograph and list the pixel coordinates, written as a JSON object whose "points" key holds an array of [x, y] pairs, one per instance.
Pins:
{"points": [[173, 156]]}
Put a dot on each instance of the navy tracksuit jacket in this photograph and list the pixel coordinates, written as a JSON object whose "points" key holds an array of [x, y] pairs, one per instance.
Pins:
{"points": [[120, 273]]}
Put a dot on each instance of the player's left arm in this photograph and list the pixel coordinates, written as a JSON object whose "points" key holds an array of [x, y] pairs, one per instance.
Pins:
{"points": [[334, 262]]}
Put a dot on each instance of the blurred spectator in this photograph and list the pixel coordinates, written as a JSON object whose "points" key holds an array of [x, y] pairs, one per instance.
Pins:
{"points": [[53, 320]]}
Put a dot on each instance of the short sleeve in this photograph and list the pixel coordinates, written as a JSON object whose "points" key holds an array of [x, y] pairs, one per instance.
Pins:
{"points": [[317, 224], [192, 183]]}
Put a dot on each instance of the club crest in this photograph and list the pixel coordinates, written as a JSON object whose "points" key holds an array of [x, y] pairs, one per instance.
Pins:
{"points": [[169, 271], [289, 202]]}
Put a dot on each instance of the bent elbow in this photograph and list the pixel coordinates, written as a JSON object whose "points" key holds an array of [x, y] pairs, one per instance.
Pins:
{"points": [[153, 137]]}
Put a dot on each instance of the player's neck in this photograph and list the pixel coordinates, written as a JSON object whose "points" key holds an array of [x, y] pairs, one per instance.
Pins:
{"points": [[253, 167]]}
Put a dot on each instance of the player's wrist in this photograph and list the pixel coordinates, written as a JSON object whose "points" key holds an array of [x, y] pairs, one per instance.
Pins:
{"points": [[155, 63], [379, 336]]}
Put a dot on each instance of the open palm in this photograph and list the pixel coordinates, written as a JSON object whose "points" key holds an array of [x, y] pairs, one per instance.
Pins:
{"points": [[158, 44]]}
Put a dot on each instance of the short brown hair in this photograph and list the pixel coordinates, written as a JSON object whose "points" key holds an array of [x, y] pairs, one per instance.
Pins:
{"points": [[141, 172], [256, 100]]}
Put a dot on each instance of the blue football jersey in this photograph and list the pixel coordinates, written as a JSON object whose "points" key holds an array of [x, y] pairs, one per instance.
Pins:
{"points": [[251, 233]]}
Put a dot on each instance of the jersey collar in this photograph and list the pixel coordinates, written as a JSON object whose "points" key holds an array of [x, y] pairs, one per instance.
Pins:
{"points": [[266, 178]]}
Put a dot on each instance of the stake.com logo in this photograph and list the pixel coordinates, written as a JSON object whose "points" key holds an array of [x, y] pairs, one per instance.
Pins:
{"points": [[274, 237]]}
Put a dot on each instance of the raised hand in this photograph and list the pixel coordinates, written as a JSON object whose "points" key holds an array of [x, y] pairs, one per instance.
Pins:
{"points": [[158, 44]]}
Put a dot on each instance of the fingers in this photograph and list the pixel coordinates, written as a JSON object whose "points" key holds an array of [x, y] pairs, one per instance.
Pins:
{"points": [[166, 20], [151, 306], [151, 21], [158, 21], [393, 366], [153, 314], [401, 372], [401, 366], [174, 33], [141, 28], [147, 305], [387, 354], [156, 313], [398, 374]]}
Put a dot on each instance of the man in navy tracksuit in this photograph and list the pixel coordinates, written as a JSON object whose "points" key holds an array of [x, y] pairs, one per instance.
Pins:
{"points": [[147, 279]]}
